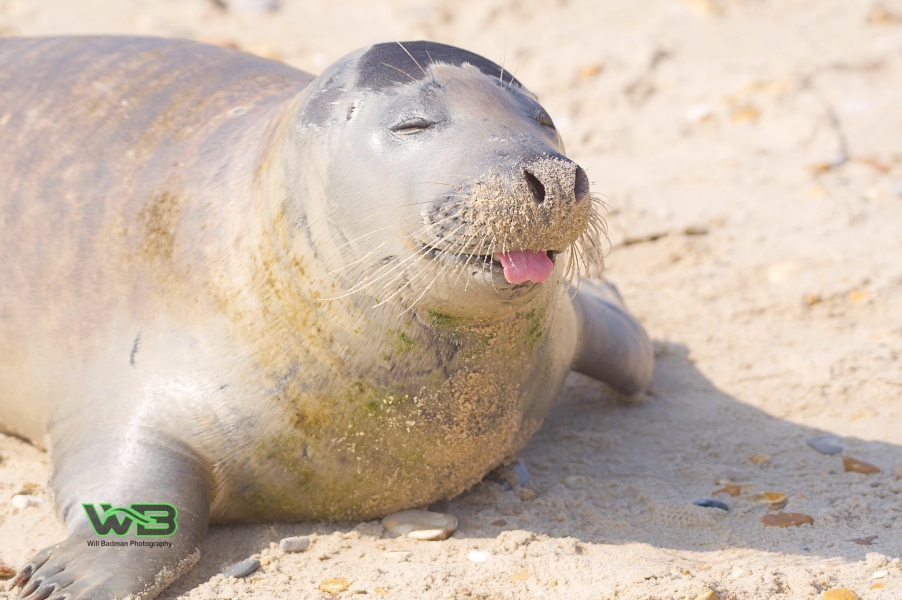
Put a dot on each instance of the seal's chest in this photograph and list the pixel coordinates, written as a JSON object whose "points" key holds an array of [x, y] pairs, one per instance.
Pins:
{"points": [[368, 448]]}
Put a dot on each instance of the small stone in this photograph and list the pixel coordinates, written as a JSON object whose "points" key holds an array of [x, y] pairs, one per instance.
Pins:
{"points": [[526, 494], [478, 556], [294, 544], [6, 571], [380, 591], [867, 541], [498, 523], [334, 585], [853, 465], [421, 524], [699, 112], [786, 519], [876, 586], [880, 574], [520, 472], [859, 295], [590, 71], [23, 501], [254, 6], [840, 594], [825, 444], [732, 490], [759, 459], [511, 475], [521, 576], [242, 569], [711, 503], [767, 497], [396, 556], [709, 595], [811, 300]]}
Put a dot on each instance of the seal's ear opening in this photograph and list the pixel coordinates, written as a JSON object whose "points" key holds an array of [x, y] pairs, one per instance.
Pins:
{"points": [[396, 63]]}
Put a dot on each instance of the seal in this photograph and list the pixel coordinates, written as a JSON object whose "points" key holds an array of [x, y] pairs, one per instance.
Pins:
{"points": [[233, 292]]}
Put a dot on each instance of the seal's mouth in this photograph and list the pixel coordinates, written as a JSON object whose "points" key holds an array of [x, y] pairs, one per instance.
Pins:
{"points": [[526, 265], [517, 266]]}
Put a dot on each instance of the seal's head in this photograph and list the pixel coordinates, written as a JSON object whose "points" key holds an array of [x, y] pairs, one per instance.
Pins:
{"points": [[445, 181]]}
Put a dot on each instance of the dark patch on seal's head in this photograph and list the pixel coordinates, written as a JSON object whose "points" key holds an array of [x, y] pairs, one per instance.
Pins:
{"points": [[393, 63]]}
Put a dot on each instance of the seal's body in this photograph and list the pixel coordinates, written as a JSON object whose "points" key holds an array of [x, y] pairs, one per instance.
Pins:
{"points": [[252, 295]]}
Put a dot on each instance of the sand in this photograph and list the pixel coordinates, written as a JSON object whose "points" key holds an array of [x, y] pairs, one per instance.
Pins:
{"points": [[751, 156]]}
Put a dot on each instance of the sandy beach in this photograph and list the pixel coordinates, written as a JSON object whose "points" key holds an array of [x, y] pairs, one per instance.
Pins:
{"points": [[750, 153]]}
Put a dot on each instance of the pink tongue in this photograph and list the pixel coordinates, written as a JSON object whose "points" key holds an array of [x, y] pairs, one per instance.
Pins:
{"points": [[526, 265]]}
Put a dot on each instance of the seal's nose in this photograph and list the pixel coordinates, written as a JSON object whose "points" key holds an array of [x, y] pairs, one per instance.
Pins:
{"points": [[558, 178]]}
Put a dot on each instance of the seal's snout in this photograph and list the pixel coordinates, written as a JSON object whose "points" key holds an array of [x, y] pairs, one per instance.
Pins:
{"points": [[556, 179]]}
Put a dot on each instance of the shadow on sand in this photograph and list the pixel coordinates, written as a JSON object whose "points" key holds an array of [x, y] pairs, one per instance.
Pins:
{"points": [[605, 472]]}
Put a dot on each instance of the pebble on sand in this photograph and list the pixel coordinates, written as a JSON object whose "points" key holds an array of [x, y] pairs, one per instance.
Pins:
{"points": [[242, 569], [840, 594], [254, 6], [767, 497], [786, 519], [334, 585], [732, 489], [6, 571], [853, 465], [510, 475], [880, 574], [825, 444], [421, 524], [709, 595], [397, 555], [759, 459], [521, 576], [711, 503], [294, 544], [22, 501], [479, 556], [865, 541]]}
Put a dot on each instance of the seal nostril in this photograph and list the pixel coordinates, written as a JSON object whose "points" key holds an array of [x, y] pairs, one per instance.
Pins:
{"points": [[582, 184], [535, 186]]}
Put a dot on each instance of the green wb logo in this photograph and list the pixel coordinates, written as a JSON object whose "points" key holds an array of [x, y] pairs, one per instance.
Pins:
{"points": [[157, 520]]}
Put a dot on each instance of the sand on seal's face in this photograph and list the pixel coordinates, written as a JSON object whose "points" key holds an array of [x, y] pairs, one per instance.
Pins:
{"points": [[768, 276]]}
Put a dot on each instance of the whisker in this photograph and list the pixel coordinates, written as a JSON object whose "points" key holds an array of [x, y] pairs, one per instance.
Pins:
{"points": [[413, 59], [400, 70], [360, 286], [420, 252]]}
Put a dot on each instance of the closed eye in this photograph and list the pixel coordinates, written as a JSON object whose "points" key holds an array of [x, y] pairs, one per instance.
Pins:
{"points": [[410, 126], [544, 120]]}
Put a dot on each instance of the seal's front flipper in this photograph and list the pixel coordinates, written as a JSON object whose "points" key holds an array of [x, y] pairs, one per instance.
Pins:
{"points": [[136, 507], [612, 346]]}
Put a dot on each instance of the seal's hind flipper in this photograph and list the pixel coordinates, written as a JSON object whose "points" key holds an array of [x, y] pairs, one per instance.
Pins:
{"points": [[612, 346]]}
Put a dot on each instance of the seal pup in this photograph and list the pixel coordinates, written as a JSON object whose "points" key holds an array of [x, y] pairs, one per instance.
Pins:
{"points": [[247, 294]]}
